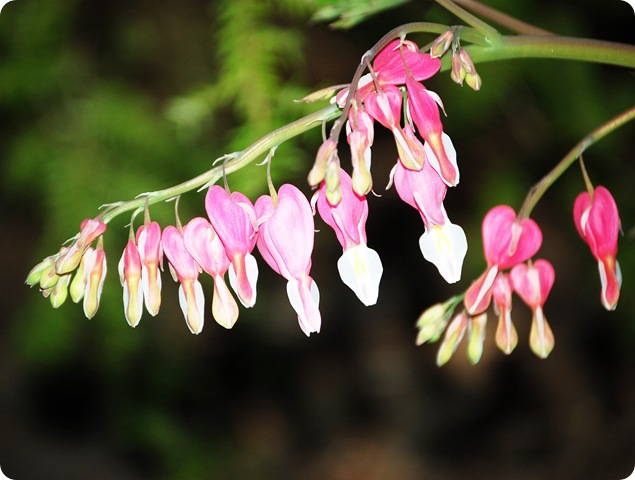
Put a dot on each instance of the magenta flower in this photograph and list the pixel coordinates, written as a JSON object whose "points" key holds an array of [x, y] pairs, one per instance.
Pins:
{"points": [[285, 241], [234, 221], [385, 107], [90, 230], [423, 108], [191, 298], [533, 283], [443, 243], [151, 256], [359, 266], [130, 273], [506, 243], [208, 251], [598, 223]]}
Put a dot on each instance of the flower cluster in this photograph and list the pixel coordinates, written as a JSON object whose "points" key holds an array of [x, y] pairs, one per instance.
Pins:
{"points": [[425, 168], [280, 226]]}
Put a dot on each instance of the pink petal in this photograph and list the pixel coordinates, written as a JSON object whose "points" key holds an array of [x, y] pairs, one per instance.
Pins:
{"points": [[390, 68], [533, 283], [506, 243], [205, 246]]}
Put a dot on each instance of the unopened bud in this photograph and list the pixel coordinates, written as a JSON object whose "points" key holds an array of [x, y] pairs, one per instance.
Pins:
{"points": [[95, 275], [77, 287], [433, 321], [458, 72], [90, 229], [362, 179], [327, 150], [59, 294], [473, 81], [441, 44], [333, 184], [453, 336], [476, 334], [48, 278], [36, 272]]}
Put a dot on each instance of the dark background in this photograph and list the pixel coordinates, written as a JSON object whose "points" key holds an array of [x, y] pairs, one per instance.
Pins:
{"points": [[100, 101]]}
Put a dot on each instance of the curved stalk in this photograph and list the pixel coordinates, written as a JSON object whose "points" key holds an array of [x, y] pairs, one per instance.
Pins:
{"points": [[537, 191]]}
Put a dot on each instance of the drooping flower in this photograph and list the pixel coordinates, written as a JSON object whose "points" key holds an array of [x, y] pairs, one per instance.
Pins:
{"points": [[423, 108], [598, 223], [506, 335], [385, 107], [191, 298], [130, 274], [208, 251], [90, 230], [94, 274], [151, 257], [533, 283], [443, 243], [234, 221], [360, 135], [285, 241], [506, 243], [359, 266]]}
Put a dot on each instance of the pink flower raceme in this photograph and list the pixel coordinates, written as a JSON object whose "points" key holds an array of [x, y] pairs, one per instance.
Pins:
{"points": [[506, 243], [234, 221], [151, 257], [443, 243], [285, 241], [186, 269], [208, 251], [533, 283], [598, 223], [130, 274], [359, 266]]}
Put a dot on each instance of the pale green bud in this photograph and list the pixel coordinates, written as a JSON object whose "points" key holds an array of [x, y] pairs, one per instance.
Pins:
{"points": [[453, 336], [36, 272], [476, 335], [59, 294]]}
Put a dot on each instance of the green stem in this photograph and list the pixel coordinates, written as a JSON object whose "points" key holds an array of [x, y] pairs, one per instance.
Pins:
{"points": [[555, 47], [537, 191], [236, 162]]}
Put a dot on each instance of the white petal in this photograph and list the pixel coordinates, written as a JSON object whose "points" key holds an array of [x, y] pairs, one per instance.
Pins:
{"points": [[445, 246], [305, 302], [224, 307], [361, 269]]}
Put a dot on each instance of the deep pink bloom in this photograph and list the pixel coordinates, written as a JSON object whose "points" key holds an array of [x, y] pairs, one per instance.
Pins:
{"points": [[385, 107], [90, 230], [423, 108], [443, 243], [191, 296], [130, 273], [285, 241], [533, 283], [506, 243], [151, 256], [598, 223], [234, 221], [359, 266], [208, 251]]}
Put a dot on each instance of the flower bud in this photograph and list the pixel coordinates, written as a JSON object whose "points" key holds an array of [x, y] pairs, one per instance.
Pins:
{"points": [[59, 294], [453, 336], [476, 336], [441, 44], [333, 182], [95, 274], [36, 272], [325, 153], [90, 230]]}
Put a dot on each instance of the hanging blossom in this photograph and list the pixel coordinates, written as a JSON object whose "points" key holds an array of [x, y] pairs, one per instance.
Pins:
{"points": [[130, 276], [234, 221], [151, 257], [443, 243], [186, 271], [285, 242], [533, 282], [359, 266], [207, 249], [598, 223]]}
